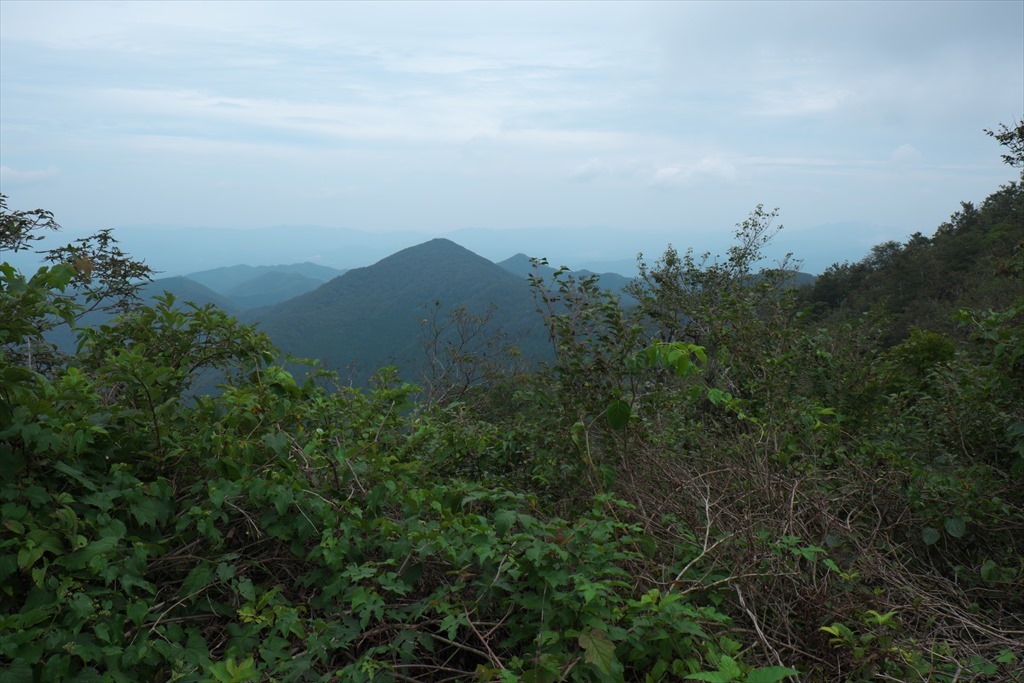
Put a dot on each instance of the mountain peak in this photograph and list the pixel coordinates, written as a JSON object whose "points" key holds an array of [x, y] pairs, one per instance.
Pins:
{"points": [[438, 253], [373, 314]]}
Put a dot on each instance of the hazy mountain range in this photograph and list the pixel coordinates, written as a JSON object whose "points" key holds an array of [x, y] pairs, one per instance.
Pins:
{"points": [[358, 320], [172, 249], [244, 287], [257, 286]]}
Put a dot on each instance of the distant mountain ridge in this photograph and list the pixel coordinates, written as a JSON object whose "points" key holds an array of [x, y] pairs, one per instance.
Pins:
{"points": [[258, 286], [369, 317], [188, 290], [227, 277], [522, 265], [271, 288]]}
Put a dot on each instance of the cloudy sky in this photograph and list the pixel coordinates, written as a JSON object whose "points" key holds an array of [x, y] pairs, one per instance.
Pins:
{"points": [[861, 122]]}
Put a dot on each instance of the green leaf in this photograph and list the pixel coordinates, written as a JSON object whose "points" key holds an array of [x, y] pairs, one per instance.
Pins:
{"points": [[687, 626], [710, 677], [539, 675], [503, 521], [993, 573], [618, 413], [955, 527], [8, 565], [36, 495], [577, 432], [225, 572], [104, 500], [84, 557], [728, 665], [598, 650], [148, 512], [137, 611], [771, 674], [450, 625], [115, 529], [413, 573], [18, 671], [197, 579], [130, 580], [716, 396], [930, 535], [246, 589], [76, 474]]}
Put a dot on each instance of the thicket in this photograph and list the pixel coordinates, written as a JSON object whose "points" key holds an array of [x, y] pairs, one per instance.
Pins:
{"points": [[730, 481]]}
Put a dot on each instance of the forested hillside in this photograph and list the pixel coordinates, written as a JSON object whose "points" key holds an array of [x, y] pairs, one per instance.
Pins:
{"points": [[376, 316], [732, 480], [967, 263]]}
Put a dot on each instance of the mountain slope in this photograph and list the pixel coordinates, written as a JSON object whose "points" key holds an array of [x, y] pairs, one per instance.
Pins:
{"points": [[271, 288], [228, 278], [521, 265], [971, 261], [187, 290], [370, 317]]}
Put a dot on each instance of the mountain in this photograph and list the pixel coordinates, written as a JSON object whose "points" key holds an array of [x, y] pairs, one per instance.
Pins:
{"points": [[259, 286], [171, 248], [230, 278], [370, 317], [521, 265], [801, 279], [271, 288], [970, 262], [187, 290]]}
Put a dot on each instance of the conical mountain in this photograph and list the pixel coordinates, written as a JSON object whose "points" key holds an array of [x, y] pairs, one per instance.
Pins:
{"points": [[371, 317], [522, 265]]}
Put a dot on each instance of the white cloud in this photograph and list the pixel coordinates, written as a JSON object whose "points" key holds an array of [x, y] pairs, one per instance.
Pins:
{"points": [[13, 175], [906, 154], [800, 100], [591, 169], [398, 117], [715, 167]]}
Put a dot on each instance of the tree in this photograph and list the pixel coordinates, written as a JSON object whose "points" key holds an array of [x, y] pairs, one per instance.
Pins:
{"points": [[1012, 138], [720, 304], [89, 274], [18, 229], [103, 277]]}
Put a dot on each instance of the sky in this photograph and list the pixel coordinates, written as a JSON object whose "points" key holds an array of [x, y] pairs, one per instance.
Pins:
{"points": [[597, 129]]}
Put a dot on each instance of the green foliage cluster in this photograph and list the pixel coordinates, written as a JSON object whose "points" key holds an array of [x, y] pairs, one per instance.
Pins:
{"points": [[282, 531], [972, 261], [729, 481]]}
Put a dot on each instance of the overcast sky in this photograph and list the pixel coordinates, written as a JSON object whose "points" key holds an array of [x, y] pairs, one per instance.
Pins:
{"points": [[597, 118]]}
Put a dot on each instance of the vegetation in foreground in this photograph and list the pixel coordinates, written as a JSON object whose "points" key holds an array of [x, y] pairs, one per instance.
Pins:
{"points": [[730, 481]]}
